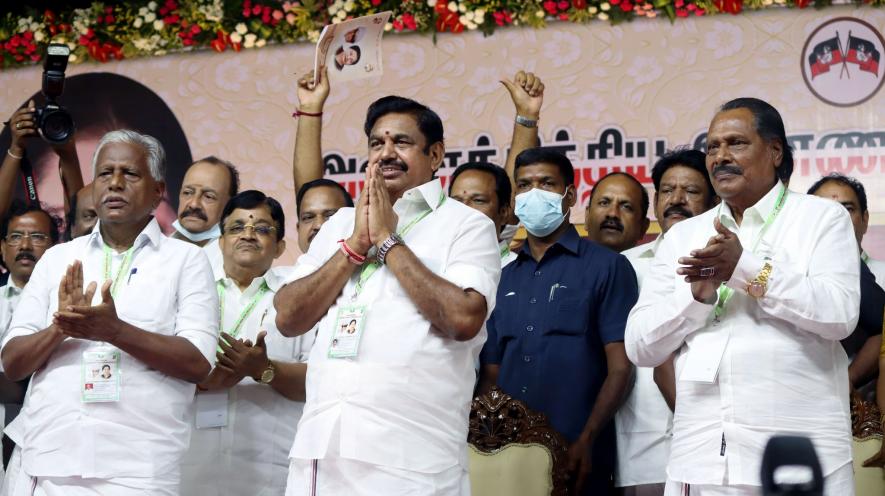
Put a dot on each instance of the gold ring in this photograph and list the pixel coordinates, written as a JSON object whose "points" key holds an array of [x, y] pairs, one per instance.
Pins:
{"points": [[18, 125]]}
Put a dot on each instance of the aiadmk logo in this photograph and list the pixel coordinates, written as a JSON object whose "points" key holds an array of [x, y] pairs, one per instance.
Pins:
{"points": [[841, 61]]}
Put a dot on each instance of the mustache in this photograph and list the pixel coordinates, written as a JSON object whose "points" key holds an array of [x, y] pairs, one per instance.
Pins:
{"points": [[25, 255], [393, 162], [613, 223], [195, 212], [727, 169], [678, 209]]}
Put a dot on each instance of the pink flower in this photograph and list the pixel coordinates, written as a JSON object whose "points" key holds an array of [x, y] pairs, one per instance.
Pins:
{"points": [[277, 14], [290, 18]]}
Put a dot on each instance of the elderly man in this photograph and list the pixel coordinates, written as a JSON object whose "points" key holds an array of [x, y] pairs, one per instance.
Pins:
{"points": [[248, 407], [563, 304], [153, 322], [617, 212], [752, 297], [682, 190], [387, 405], [207, 186]]}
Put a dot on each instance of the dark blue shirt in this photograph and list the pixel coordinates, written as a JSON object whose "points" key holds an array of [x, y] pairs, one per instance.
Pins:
{"points": [[550, 325]]}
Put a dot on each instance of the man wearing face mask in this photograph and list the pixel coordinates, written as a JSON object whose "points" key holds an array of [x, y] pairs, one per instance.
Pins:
{"points": [[207, 186], [556, 337]]}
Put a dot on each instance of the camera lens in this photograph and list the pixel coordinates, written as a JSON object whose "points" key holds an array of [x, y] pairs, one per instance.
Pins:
{"points": [[56, 126]]}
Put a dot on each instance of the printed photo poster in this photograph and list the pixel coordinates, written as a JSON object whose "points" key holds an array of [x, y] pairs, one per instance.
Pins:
{"points": [[352, 49]]}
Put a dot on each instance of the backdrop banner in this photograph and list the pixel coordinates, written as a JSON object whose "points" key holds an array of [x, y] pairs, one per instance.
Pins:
{"points": [[616, 97]]}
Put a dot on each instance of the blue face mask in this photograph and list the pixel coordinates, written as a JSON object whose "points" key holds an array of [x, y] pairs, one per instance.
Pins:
{"points": [[212, 233], [540, 211]]}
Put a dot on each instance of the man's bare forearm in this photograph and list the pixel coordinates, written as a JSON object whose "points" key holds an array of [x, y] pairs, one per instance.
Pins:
{"points": [[25, 354], [8, 176], [457, 313], [172, 355], [612, 394], [665, 379], [307, 161], [523, 139], [864, 366], [302, 303], [71, 176], [289, 380]]}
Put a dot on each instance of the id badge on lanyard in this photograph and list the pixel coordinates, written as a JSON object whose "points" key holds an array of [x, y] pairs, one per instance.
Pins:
{"points": [[100, 375]]}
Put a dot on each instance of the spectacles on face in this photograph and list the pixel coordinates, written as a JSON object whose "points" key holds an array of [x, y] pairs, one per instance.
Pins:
{"points": [[261, 229], [37, 238]]}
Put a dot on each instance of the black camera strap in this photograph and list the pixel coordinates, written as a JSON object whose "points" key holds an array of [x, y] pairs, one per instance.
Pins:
{"points": [[28, 180]]}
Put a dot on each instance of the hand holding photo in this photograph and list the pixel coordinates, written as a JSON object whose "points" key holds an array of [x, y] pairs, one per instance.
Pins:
{"points": [[352, 49]]}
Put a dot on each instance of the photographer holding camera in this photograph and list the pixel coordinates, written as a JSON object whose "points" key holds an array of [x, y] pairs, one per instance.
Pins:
{"points": [[54, 124]]}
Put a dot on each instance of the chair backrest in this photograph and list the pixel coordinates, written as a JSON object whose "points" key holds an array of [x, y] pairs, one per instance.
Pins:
{"points": [[514, 450], [866, 429]]}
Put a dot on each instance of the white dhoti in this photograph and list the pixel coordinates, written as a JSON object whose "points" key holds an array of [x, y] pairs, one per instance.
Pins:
{"points": [[343, 477], [839, 483]]}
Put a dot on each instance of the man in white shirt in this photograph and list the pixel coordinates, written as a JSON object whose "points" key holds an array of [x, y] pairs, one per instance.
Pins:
{"points": [[617, 212], [316, 202], [26, 233], [753, 297], [207, 186], [486, 188], [682, 190], [153, 321], [248, 407], [387, 406]]}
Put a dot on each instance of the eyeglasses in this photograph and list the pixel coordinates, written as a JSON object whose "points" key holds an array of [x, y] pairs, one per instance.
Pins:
{"points": [[261, 230], [37, 239]]}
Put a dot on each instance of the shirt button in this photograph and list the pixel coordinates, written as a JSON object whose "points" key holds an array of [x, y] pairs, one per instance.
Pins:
{"points": [[537, 272], [524, 389], [530, 328], [533, 300], [527, 358]]}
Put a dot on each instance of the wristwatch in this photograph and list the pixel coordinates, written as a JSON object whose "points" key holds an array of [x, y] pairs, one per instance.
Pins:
{"points": [[391, 241], [268, 374], [526, 122], [757, 287]]}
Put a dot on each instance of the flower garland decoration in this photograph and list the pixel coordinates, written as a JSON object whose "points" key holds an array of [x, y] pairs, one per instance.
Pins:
{"points": [[138, 28]]}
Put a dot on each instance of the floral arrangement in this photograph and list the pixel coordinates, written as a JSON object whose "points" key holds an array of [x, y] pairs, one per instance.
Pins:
{"points": [[135, 28]]}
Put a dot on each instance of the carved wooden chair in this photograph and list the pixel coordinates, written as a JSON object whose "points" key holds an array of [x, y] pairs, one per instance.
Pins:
{"points": [[866, 429], [513, 450]]}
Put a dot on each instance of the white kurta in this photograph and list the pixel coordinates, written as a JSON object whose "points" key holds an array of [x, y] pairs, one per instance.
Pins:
{"points": [[250, 454], [404, 401], [769, 366], [644, 422], [170, 291]]}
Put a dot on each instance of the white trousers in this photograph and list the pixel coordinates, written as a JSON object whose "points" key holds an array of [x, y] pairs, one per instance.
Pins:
{"points": [[839, 483], [20, 484], [341, 477]]}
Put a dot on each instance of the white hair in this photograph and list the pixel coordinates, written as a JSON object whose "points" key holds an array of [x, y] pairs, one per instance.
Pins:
{"points": [[153, 150]]}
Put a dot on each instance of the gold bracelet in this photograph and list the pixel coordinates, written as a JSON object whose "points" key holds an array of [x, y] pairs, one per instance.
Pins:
{"points": [[9, 152]]}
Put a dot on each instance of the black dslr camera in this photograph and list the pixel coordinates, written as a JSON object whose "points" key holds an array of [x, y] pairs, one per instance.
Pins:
{"points": [[54, 122]]}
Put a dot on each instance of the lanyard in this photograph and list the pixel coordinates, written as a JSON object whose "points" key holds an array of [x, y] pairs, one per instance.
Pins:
{"points": [[235, 330], [505, 251], [370, 268], [725, 293], [124, 267]]}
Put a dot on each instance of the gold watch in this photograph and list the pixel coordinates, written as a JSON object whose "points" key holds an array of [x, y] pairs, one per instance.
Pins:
{"points": [[757, 287], [268, 374]]}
